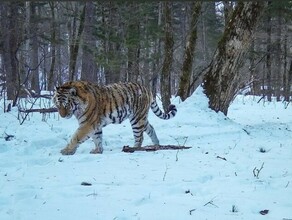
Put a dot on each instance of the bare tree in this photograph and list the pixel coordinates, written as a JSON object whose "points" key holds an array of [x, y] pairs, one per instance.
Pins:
{"points": [[222, 78]]}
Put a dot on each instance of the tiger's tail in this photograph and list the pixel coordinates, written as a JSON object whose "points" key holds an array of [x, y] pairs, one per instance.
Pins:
{"points": [[165, 116]]}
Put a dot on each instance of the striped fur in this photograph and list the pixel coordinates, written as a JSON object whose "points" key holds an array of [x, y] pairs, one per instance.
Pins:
{"points": [[97, 106]]}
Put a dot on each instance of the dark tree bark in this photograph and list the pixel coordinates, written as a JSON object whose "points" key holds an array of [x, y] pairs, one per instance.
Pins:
{"points": [[221, 81], [184, 84], [112, 57], [89, 65], [289, 82], [278, 58], [133, 45], [50, 80], [157, 53], [10, 47], [74, 45], [254, 81], [286, 77], [165, 82], [268, 85], [290, 75], [34, 64]]}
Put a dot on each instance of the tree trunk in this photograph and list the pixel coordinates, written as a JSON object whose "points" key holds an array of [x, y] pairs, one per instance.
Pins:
{"points": [[285, 74], [254, 81], [289, 80], [74, 46], [50, 80], [184, 83], [268, 88], [133, 44], [157, 53], [112, 57], [165, 82], [34, 64], [89, 66], [10, 51], [221, 81], [209, 33], [278, 58]]}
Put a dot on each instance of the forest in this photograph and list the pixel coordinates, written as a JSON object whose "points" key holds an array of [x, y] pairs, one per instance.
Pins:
{"points": [[227, 47], [225, 65]]}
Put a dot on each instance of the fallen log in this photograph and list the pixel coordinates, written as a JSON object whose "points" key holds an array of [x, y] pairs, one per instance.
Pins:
{"points": [[128, 149]]}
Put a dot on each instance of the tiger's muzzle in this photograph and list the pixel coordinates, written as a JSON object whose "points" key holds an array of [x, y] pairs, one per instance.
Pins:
{"points": [[64, 112]]}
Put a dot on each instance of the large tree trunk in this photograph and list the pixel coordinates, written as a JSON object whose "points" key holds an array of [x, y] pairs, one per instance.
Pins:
{"points": [[184, 84], [221, 81], [10, 46], [165, 82]]}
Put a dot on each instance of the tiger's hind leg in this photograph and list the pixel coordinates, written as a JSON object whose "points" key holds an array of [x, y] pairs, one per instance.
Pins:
{"points": [[150, 131], [97, 139]]}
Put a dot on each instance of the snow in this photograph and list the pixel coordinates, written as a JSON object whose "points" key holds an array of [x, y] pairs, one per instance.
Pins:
{"points": [[212, 180]]}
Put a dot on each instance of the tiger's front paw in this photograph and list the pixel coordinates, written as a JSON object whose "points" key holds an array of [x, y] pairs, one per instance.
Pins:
{"points": [[68, 151]]}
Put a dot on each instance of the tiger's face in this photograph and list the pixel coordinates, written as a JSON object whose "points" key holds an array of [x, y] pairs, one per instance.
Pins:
{"points": [[63, 99]]}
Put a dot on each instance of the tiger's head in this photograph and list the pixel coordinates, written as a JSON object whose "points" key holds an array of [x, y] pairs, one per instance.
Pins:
{"points": [[72, 98], [63, 99]]}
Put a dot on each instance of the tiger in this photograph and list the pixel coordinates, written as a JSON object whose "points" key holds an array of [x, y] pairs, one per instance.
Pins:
{"points": [[96, 106]]}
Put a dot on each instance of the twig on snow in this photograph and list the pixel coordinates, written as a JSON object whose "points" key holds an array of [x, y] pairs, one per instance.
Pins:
{"points": [[165, 173], [222, 158], [256, 171], [192, 210], [246, 131], [8, 137], [211, 202]]}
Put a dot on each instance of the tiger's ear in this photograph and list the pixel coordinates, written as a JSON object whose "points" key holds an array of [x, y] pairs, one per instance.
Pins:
{"points": [[73, 91]]}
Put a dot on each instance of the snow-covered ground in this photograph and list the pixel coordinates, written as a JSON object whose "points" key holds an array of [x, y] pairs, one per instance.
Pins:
{"points": [[237, 167]]}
